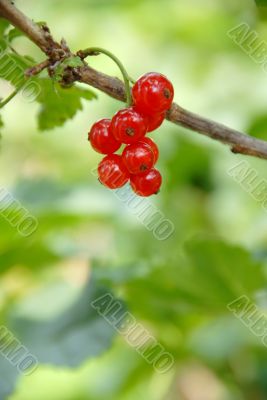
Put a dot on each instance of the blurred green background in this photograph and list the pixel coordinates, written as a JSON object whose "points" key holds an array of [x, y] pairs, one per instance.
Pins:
{"points": [[178, 288]]}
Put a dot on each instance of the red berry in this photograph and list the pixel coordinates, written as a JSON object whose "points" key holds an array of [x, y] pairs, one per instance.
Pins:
{"points": [[153, 146], [146, 184], [128, 125], [101, 138], [154, 121], [153, 93], [138, 157], [112, 171]]}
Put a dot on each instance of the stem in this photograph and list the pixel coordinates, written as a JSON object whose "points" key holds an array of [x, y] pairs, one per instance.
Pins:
{"points": [[12, 95], [9, 98], [20, 21], [92, 51]]}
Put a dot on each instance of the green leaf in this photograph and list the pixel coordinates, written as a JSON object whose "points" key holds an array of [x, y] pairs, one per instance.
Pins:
{"points": [[261, 3], [12, 68], [7, 38], [221, 272], [258, 127], [13, 34], [262, 9], [72, 62], [4, 24], [189, 163], [58, 104], [204, 280], [70, 338], [75, 335], [12, 65], [34, 255]]}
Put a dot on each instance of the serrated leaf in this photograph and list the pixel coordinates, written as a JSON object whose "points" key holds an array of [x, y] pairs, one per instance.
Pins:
{"points": [[58, 104], [12, 68], [12, 65]]}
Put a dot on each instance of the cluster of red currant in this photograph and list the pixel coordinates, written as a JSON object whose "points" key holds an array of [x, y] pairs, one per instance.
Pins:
{"points": [[152, 96]]}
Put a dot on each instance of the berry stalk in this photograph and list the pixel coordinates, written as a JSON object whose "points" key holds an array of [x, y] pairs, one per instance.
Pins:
{"points": [[95, 51]]}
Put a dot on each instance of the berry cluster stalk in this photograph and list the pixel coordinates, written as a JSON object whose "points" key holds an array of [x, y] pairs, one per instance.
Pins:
{"points": [[95, 51]]}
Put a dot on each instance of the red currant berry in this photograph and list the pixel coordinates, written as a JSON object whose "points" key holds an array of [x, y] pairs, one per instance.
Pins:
{"points": [[146, 184], [101, 138], [153, 146], [112, 171], [154, 121], [138, 158], [128, 125], [153, 93]]}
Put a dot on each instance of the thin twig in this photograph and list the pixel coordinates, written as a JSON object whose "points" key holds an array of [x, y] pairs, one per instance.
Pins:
{"points": [[36, 69], [9, 98]]}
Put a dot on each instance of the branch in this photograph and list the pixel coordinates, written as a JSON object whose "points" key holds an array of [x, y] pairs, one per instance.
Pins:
{"points": [[238, 142], [18, 19]]}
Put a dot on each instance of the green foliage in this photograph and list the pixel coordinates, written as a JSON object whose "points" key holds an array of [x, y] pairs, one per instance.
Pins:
{"points": [[258, 127], [72, 62], [4, 24], [262, 9], [209, 275], [190, 164], [59, 104], [13, 34], [12, 64], [68, 339], [13, 67], [261, 3]]}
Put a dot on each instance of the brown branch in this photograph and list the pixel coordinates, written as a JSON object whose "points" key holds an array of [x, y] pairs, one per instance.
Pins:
{"points": [[36, 69], [238, 142], [40, 35], [22, 22]]}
